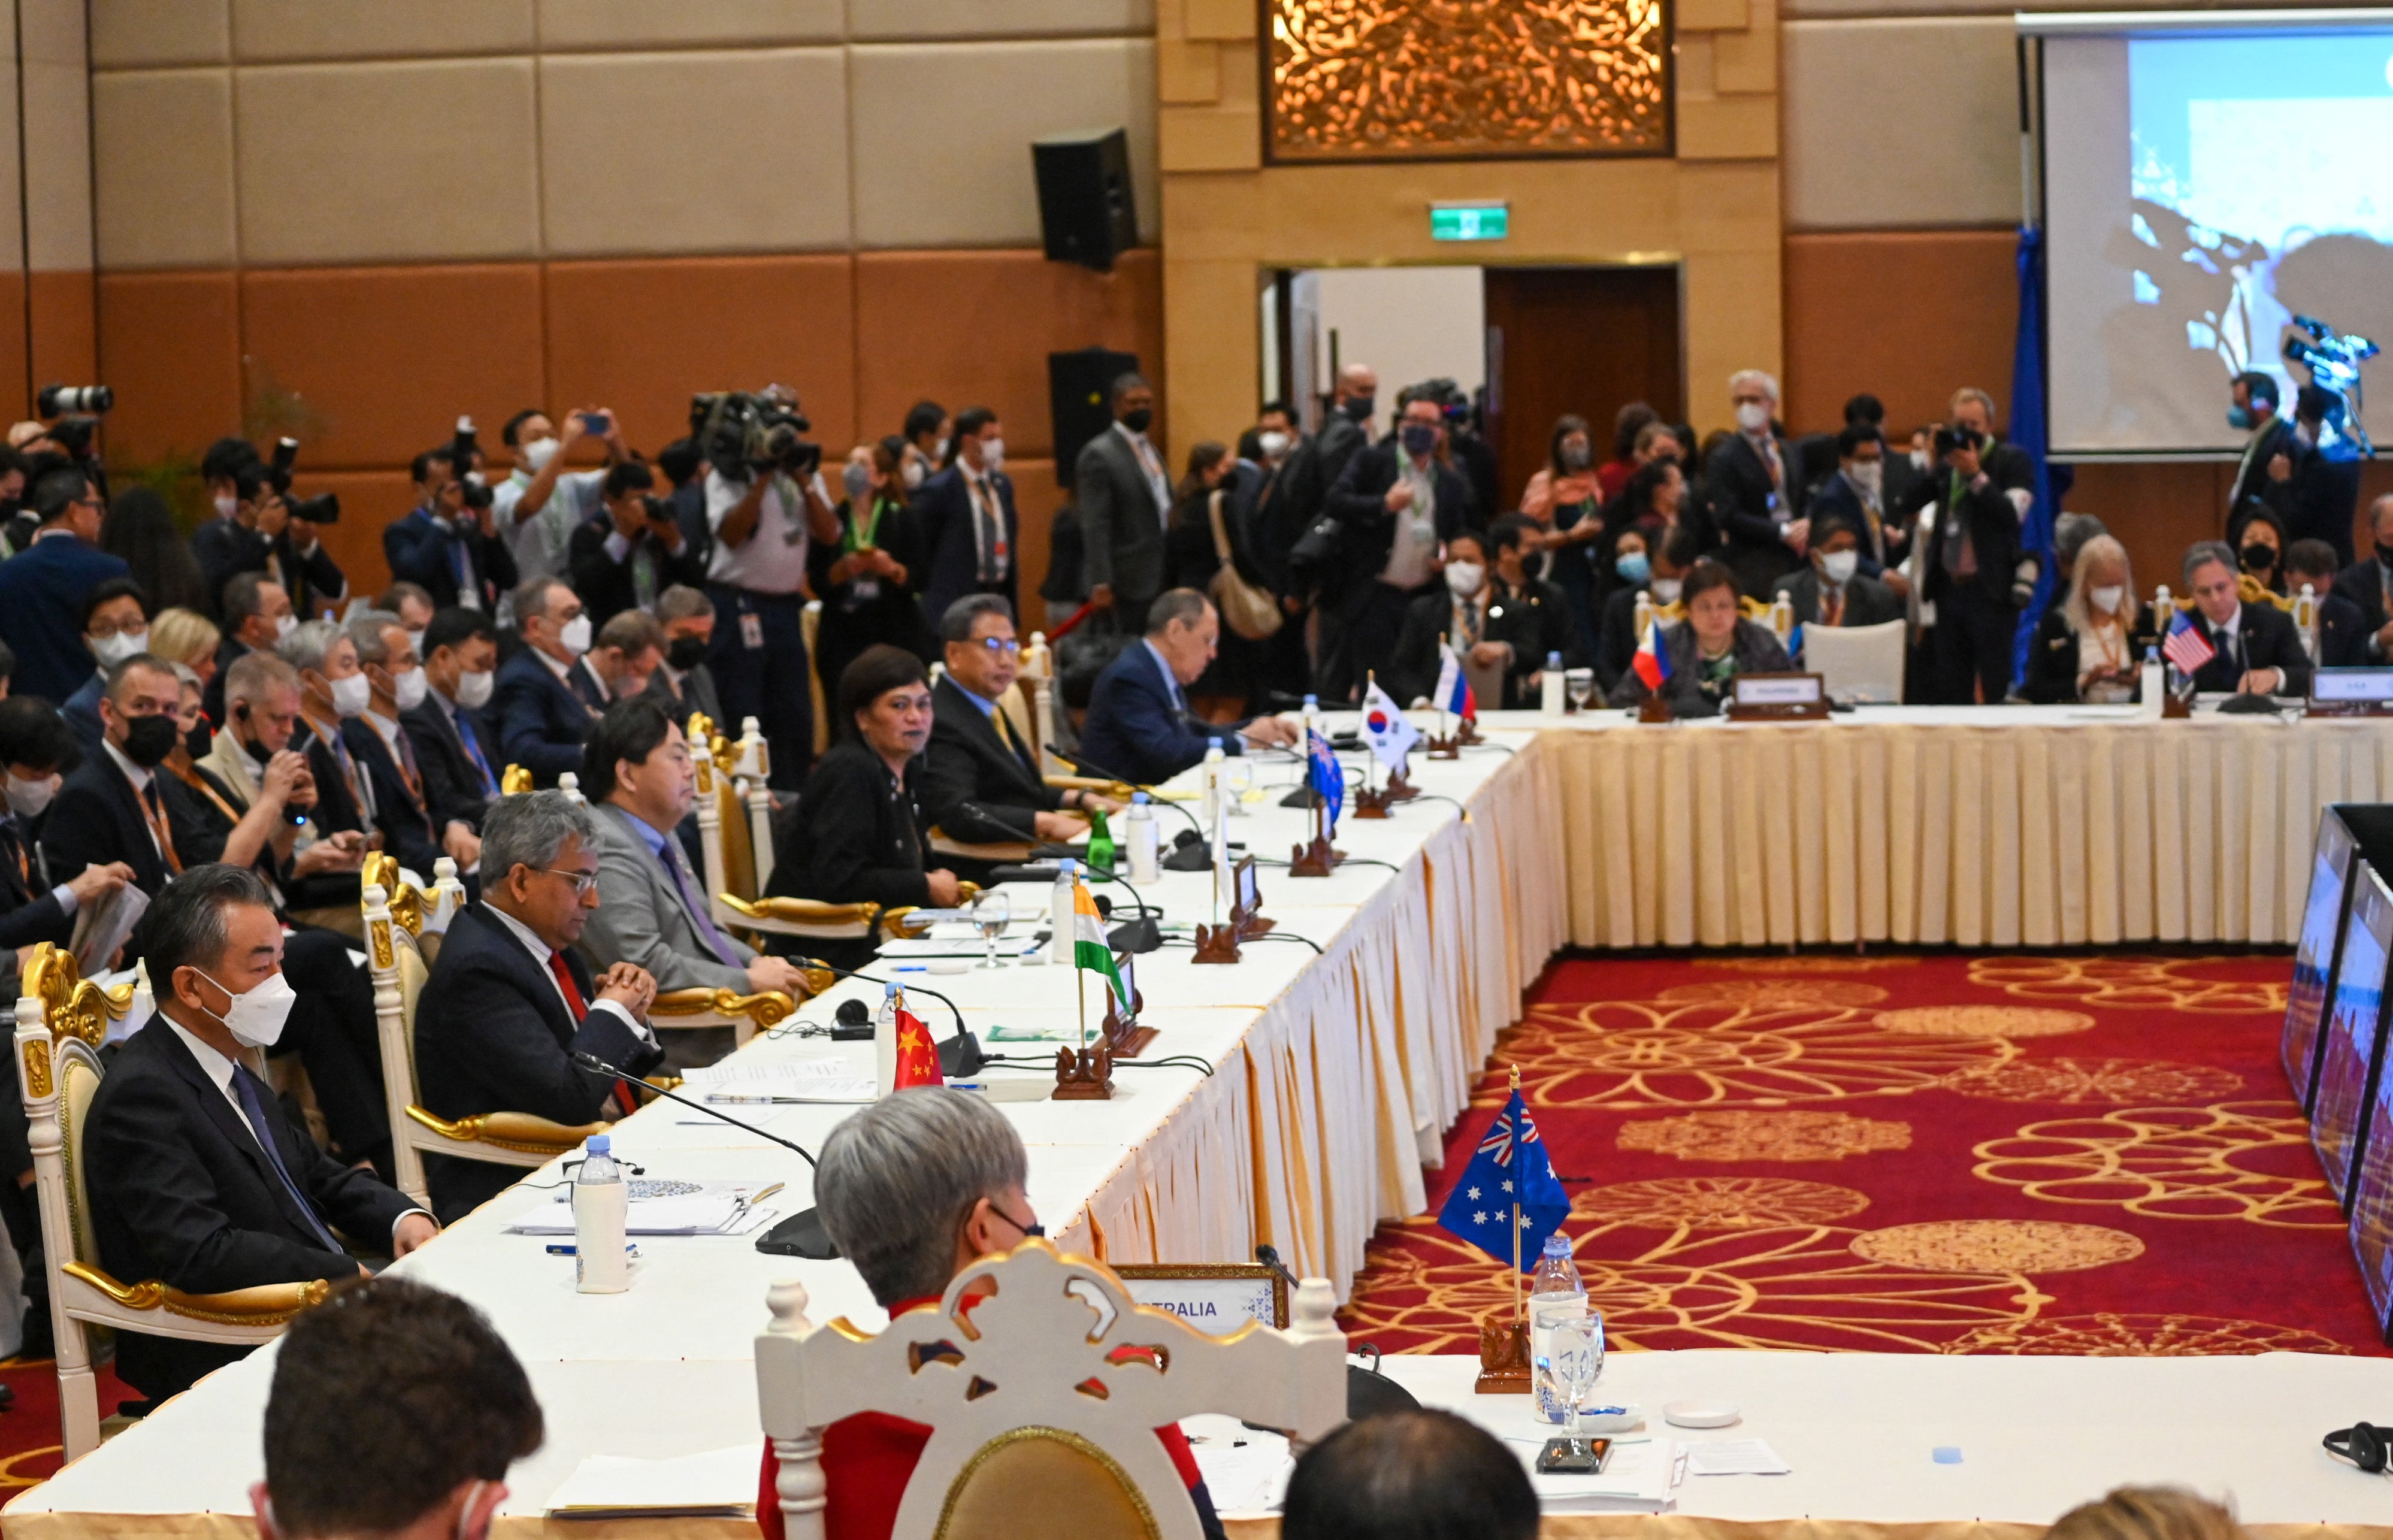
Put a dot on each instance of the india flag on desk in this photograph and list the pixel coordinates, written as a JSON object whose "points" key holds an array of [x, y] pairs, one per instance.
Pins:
{"points": [[1090, 949]]}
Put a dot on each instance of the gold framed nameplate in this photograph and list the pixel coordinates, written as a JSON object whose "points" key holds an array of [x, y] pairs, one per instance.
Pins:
{"points": [[1777, 697], [1216, 1299]]}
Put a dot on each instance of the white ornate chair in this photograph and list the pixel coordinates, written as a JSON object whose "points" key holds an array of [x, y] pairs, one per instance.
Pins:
{"points": [[62, 1021], [1859, 663], [1041, 1404]]}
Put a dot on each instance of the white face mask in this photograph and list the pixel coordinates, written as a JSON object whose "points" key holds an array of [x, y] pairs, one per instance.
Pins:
{"points": [[1752, 416], [225, 502], [1920, 460], [1867, 476], [1273, 444], [914, 474], [474, 689], [26, 799], [407, 690], [285, 626], [1666, 590], [574, 636], [538, 452], [992, 454], [1463, 578], [351, 695], [112, 651], [255, 1019], [415, 640], [1837, 566], [2105, 600]]}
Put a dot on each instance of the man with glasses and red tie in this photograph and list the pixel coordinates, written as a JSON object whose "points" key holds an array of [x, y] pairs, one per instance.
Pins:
{"points": [[509, 1003]]}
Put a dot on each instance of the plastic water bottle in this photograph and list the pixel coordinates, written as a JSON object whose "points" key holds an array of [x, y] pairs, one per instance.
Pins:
{"points": [[1210, 774], [1139, 829], [1311, 715], [2154, 685], [1549, 686], [1059, 915], [1101, 842], [884, 1038], [1556, 1281], [601, 1205]]}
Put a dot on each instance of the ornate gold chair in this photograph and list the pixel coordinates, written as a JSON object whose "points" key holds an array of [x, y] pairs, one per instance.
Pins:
{"points": [[1051, 1388], [735, 830], [395, 956], [62, 1021]]}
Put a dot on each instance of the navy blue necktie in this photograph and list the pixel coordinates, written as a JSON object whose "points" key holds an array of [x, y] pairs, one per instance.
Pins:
{"points": [[252, 1091]]}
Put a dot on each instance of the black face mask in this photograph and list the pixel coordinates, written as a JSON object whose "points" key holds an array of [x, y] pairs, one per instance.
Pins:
{"points": [[1138, 420], [200, 740], [2259, 557], [148, 739], [1358, 408], [2385, 553], [686, 653]]}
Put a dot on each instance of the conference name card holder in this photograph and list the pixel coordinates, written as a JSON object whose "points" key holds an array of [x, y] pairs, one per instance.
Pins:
{"points": [[2351, 692], [1220, 943], [1778, 697], [1125, 1038], [1216, 1298]]}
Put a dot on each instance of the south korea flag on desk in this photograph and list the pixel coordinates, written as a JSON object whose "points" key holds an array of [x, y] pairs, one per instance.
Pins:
{"points": [[1509, 1166]]}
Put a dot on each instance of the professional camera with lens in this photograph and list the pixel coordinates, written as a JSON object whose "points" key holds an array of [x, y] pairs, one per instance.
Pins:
{"points": [[60, 401], [323, 508], [1950, 437], [749, 432]]}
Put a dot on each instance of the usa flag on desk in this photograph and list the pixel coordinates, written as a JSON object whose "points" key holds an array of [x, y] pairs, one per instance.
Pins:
{"points": [[1453, 689], [1509, 1166], [2186, 646], [1653, 660]]}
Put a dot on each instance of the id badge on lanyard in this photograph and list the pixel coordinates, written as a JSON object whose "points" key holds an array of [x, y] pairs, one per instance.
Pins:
{"points": [[752, 630]]}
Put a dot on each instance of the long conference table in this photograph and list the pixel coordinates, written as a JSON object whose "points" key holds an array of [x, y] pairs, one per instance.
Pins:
{"points": [[1334, 1074]]}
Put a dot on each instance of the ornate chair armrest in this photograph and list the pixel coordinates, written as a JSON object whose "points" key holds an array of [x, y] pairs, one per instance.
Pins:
{"points": [[262, 1305], [765, 1009], [805, 911], [663, 1082], [509, 1131], [1117, 791], [899, 922], [1004, 851]]}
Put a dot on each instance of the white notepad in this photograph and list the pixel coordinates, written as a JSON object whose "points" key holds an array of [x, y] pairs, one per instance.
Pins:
{"points": [[720, 1482]]}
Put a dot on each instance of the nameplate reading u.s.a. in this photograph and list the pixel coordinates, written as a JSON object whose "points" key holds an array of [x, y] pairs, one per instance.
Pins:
{"points": [[1217, 1300]]}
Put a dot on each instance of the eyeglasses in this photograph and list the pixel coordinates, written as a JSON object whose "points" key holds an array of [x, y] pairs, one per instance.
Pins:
{"points": [[583, 881], [1003, 645], [1031, 1229]]}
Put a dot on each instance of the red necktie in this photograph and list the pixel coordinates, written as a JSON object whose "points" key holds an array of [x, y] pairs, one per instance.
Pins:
{"points": [[573, 1003]]}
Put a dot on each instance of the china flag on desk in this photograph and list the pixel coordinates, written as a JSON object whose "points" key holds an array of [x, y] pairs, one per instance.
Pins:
{"points": [[918, 1057]]}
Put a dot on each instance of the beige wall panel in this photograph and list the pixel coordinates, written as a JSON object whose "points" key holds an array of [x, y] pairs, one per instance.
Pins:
{"points": [[127, 32], [1211, 139], [1213, 367], [12, 208], [1188, 71], [1745, 62], [893, 20], [1950, 82], [1711, 16], [162, 148], [388, 162], [1226, 19], [634, 161], [58, 165], [266, 31], [919, 182], [568, 24], [1728, 128], [1997, 7]]}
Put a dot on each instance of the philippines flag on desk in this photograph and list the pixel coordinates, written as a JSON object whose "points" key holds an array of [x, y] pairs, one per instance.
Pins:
{"points": [[1509, 1166], [1453, 689], [2186, 646], [1653, 660]]}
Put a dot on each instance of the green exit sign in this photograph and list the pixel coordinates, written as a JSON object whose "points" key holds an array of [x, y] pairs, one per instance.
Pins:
{"points": [[1470, 221]]}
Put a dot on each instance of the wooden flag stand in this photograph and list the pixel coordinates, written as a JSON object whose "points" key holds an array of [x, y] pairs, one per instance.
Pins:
{"points": [[1504, 1345], [1124, 1038], [1217, 943], [1084, 1074], [1318, 857], [1399, 788]]}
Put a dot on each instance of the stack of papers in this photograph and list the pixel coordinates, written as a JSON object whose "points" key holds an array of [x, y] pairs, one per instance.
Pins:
{"points": [[680, 1208], [719, 1483], [1734, 1458], [780, 1081], [1638, 1476]]}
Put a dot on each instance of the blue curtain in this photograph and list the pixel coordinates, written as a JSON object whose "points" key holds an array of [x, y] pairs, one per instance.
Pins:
{"points": [[2030, 434]]}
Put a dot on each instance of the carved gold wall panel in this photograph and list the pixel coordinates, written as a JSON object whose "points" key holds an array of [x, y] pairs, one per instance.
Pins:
{"points": [[1363, 80]]}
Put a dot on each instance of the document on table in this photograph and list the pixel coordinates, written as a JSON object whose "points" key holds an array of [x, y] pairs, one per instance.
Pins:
{"points": [[823, 1080], [1734, 1458], [719, 1483], [1637, 1477], [706, 1209], [1246, 1470]]}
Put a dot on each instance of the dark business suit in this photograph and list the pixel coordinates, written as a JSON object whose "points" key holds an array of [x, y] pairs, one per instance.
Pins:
{"points": [[455, 789], [2364, 584], [695, 694], [211, 700], [1867, 601], [1533, 622], [399, 813], [1754, 649], [224, 549], [2343, 633], [2251, 484], [97, 818], [1139, 727], [425, 550], [492, 1034], [1616, 639], [944, 522], [2318, 503], [975, 789], [182, 1190], [863, 836], [543, 720], [2054, 659], [607, 586], [1970, 646], [1835, 500], [1362, 618], [1752, 510], [1122, 525], [40, 611], [2265, 638], [29, 910], [82, 712]]}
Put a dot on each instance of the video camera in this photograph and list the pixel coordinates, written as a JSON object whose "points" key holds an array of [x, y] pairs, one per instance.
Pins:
{"points": [[2334, 361], [749, 432]]}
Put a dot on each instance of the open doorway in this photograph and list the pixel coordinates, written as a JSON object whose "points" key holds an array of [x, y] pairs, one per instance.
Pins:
{"points": [[1530, 343]]}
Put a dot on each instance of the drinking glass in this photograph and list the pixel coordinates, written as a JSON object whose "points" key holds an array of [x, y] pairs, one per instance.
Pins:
{"points": [[1579, 683], [1577, 1351], [990, 912]]}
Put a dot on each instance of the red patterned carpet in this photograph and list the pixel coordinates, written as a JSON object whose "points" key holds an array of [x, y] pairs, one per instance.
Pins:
{"points": [[1925, 1154]]}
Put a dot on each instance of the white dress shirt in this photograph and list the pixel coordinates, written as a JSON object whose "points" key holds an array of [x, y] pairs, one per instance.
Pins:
{"points": [[1158, 480], [539, 543], [773, 560], [541, 951]]}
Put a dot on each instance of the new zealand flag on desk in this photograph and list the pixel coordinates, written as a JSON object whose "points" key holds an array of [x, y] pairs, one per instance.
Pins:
{"points": [[1509, 1164]]}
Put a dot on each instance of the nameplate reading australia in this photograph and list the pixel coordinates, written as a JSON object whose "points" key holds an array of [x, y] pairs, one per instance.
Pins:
{"points": [[1216, 1300]]}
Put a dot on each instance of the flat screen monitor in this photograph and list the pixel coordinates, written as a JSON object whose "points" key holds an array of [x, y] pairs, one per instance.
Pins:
{"points": [[2321, 943], [2355, 1043], [2372, 1211]]}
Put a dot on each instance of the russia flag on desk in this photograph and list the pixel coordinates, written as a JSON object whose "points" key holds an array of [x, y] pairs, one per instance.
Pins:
{"points": [[1453, 688], [1653, 660]]}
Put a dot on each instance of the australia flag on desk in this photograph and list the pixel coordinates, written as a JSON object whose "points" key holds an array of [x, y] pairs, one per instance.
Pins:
{"points": [[1509, 1166]]}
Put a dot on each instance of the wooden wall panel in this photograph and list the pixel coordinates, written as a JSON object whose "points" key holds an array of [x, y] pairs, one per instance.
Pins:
{"points": [[1908, 316], [170, 346]]}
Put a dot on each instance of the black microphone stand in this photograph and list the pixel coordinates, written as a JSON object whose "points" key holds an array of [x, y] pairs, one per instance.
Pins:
{"points": [[801, 1234]]}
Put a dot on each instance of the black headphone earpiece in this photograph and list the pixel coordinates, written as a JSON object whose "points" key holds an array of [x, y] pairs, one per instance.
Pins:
{"points": [[2363, 1444]]}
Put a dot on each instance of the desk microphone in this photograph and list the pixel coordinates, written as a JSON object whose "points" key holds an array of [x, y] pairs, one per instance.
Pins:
{"points": [[1152, 800], [1142, 935], [801, 1234], [960, 1055]]}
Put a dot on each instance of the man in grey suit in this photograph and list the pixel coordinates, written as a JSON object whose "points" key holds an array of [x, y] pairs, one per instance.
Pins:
{"points": [[1124, 493], [652, 909], [684, 684]]}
